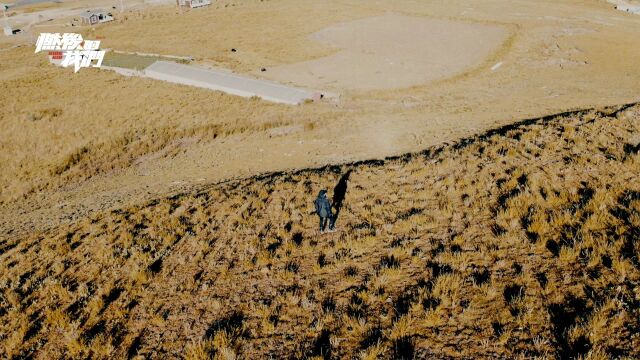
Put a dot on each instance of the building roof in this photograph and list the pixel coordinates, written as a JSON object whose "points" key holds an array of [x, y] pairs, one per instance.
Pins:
{"points": [[89, 13]]}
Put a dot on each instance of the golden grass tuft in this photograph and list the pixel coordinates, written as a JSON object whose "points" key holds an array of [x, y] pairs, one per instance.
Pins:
{"points": [[459, 253]]}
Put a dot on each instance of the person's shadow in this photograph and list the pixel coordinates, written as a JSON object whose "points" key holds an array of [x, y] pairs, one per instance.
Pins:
{"points": [[339, 193]]}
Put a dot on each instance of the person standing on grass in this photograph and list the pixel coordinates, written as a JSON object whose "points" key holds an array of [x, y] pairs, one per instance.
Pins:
{"points": [[323, 209]]}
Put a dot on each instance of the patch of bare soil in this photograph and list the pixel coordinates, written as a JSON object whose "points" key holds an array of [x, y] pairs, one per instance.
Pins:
{"points": [[394, 51]]}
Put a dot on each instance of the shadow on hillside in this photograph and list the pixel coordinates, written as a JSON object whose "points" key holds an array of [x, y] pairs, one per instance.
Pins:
{"points": [[339, 193]]}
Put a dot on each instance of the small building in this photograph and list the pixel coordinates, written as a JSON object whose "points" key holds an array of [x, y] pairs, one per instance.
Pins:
{"points": [[629, 8], [193, 3], [8, 31], [92, 17]]}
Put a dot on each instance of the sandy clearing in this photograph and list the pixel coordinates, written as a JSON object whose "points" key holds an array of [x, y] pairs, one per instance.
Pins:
{"points": [[393, 51]]}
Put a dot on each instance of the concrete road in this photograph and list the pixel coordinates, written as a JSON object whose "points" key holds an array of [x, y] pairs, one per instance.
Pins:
{"points": [[227, 82]]}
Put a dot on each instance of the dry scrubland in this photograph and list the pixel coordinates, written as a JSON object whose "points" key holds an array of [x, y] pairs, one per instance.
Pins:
{"points": [[520, 242], [65, 138], [58, 130]]}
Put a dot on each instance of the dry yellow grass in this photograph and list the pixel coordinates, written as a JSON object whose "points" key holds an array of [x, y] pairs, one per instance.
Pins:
{"points": [[58, 131], [95, 139], [522, 242]]}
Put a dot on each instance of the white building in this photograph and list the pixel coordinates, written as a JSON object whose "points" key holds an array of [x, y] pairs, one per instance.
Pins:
{"points": [[92, 17], [193, 3], [626, 6], [629, 8]]}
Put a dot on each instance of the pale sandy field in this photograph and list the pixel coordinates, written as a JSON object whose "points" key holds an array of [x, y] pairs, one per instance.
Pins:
{"points": [[393, 52], [74, 143]]}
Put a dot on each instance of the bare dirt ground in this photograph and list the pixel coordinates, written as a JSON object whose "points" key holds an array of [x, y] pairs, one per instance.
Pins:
{"points": [[72, 144], [392, 52]]}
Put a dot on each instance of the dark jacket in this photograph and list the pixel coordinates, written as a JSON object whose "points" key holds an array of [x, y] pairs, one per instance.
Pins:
{"points": [[323, 207]]}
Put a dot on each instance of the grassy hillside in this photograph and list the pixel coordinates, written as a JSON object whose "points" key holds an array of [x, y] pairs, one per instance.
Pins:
{"points": [[521, 242]]}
